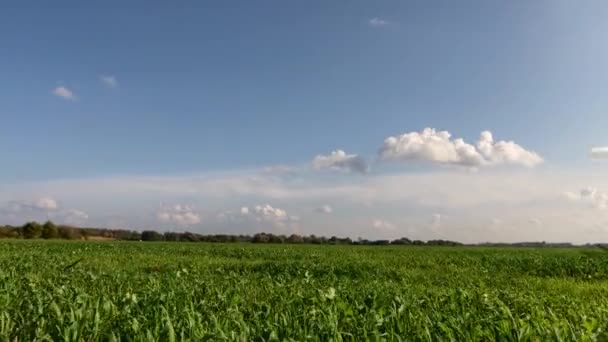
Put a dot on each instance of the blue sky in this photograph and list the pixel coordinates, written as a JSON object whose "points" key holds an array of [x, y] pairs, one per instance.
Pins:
{"points": [[97, 95]]}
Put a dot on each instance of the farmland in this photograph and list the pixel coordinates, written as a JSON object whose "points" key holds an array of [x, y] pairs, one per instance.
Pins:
{"points": [[77, 290]]}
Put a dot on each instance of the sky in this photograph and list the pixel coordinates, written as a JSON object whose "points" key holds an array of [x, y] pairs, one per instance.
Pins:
{"points": [[472, 121]]}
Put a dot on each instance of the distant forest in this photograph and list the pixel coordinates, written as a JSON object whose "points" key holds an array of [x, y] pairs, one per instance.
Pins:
{"points": [[49, 230]]}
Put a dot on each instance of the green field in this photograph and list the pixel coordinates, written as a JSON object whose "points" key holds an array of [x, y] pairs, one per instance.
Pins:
{"points": [[66, 290]]}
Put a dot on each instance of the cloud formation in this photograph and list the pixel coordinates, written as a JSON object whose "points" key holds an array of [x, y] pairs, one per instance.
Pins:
{"points": [[178, 214], [438, 147], [339, 160], [406, 201], [383, 225], [64, 93], [41, 209], [377, 22], [268, 213], [591, 197], [599, 152], [109, 81], [325, 209], [75, 217], [37, 204]]}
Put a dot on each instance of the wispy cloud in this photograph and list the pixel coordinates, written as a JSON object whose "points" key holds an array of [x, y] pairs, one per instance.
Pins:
{"points": [[40, 209], [75, 217], [378, 22], [383, 225], [109, 81], [65, 93], [41, 203], [406, 202], [324, 209], [599, 152], [339, 160]]}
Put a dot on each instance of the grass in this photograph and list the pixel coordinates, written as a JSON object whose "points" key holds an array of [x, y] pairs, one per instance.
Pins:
{"points": [[134, 291]]}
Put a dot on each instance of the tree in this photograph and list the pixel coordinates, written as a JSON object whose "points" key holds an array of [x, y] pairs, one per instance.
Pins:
{"points": [[68, 233], [49, 230], [261, 238], [31, 230], [401, 241], [151, 235], [190, 237], [171, 236], [295, 238]]}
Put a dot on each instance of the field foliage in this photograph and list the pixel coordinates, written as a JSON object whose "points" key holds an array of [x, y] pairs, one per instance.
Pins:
{"points": [[135, 291]]}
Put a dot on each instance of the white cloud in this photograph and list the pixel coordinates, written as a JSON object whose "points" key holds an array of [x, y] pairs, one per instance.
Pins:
{"points": [[383, 225], [599, 152], [109, 81], [75, 217], [591, 197], [65, 93], [45, 203], [41, 209], [588, 192], [377, 22], [37, 204], [268, 213], [258, 213], [259, 217], [465, 200], [325, 209], [339, 160], [436, 220], [438, 147], [178, 214], [505, 152]]}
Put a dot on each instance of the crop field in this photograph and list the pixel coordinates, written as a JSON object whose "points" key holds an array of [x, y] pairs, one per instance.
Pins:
{"points": [[134, 291]]}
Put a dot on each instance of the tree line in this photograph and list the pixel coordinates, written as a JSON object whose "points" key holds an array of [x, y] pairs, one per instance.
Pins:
{"points": [[49, 230]]}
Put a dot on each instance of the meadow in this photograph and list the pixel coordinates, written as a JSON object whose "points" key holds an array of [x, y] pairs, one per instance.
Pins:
{"points": [[145, 291]]}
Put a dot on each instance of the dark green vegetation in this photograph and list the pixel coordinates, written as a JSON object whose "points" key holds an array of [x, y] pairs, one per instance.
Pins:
{"points": [[48, 230], [70, 290]]}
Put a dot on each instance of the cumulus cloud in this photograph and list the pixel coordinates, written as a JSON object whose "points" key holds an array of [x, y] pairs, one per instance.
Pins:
{"points": [[65, 93], [109, 81], [590, 196], [599, 152], [178, 214], [268, 213], [438, 147], [339, 160], [506, 152], [378, 22], [325, 209], [261, 214]]}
